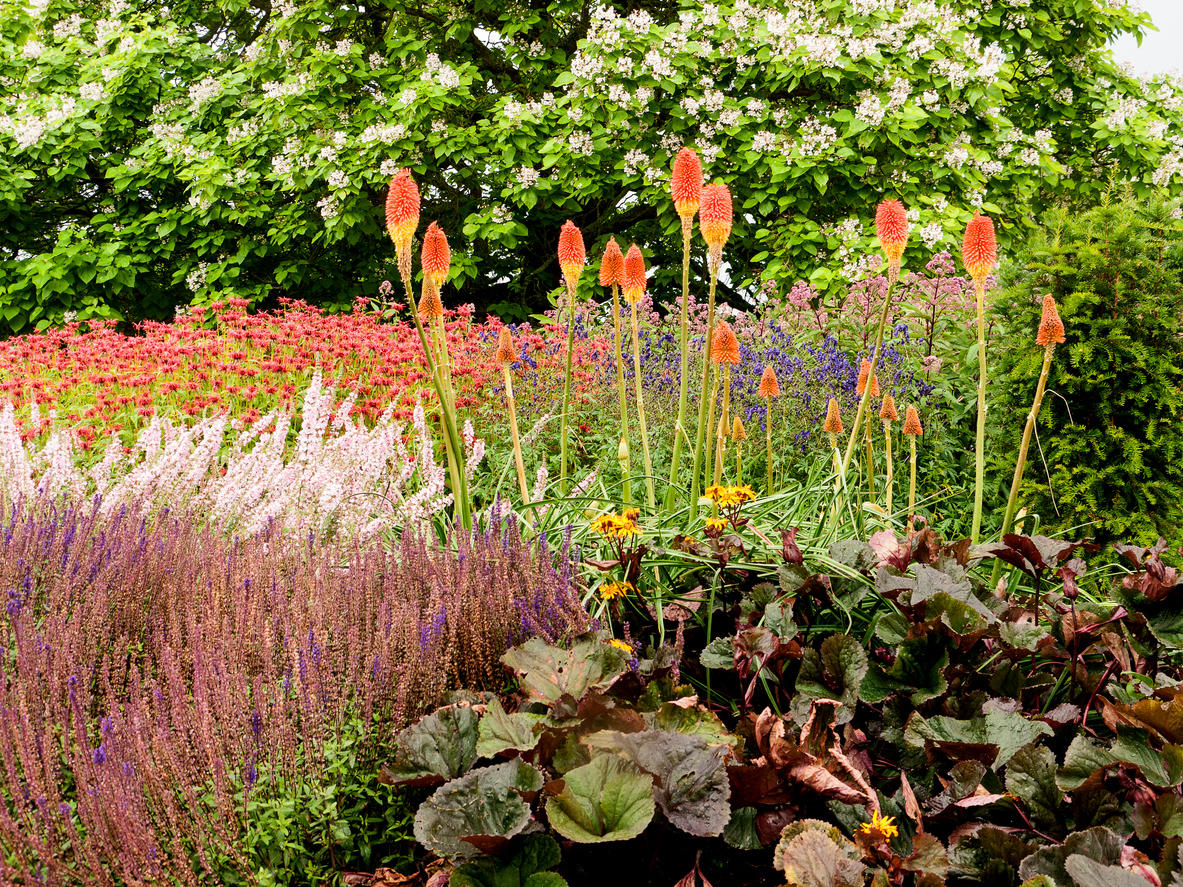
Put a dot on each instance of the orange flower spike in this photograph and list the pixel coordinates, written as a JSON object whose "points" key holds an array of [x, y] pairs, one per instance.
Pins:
{"points": [[887, 411], [833, 424], [891, 226], [572, 255], [912, 421], [864, 371], [1051, 328], [769, 386], [686, 184], [612, 265], [714, 220], [402, 208], [430, 306], [506, 352], [979, 251], [435, 256], [738, 432], [724, 345], [875, 385], [633, 284]]}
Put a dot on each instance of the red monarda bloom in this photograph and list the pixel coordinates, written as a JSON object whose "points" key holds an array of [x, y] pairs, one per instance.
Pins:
{"points": [[769, 386], [724, 345], [833, 424], [506, 353], [714, 216], [891, 225], [979, 251], [1051, 328], [912, 421], [402, 209], [686, 184], [864, 371], [887, 412], [612, 265], [572, 255], [435, 256], [634, 275]]}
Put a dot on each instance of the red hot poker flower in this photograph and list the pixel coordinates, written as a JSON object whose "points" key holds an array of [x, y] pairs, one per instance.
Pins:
{"points": [[833, 423], [714, 216], [979, 250], [769, 386], [572, 255], [891, 225], [887, 412], [686, 184], [612, 265], [402, 208], [506, 353], [864, 371], [1051, 328], [435, 256], [724, 345], [912, 421], [634, 275]]}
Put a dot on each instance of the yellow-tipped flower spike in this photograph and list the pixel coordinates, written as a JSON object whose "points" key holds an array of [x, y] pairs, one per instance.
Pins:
{"points": [[1051, 328], [979, 250], [863, 373], [634, 275], [715, 220], [833, 424], [686, 183], [572, 254], [891, 226], [724, 345]]}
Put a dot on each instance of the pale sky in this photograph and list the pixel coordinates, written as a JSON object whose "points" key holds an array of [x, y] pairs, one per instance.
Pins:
{"points": [[1162, 50]]}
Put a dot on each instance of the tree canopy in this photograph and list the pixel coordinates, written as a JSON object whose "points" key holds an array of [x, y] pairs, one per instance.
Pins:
{"points": [[155, 154]]}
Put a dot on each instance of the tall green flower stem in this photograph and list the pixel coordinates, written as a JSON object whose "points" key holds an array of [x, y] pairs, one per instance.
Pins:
{"points": [[890, 472], [452, 448], [705, 403], [870, 459], [739, 462], [651, 497], [980, 447], [768, 440], [566, 391], [511, 405], [912, 485], [838, 479], [1012, 502], [626, 486], [721, 430], [680, 425], [862, 404]]}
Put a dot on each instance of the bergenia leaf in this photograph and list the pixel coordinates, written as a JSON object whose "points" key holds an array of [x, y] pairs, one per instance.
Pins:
{"points": [[1031, 777], [527, 866], [482, 809], [836, 671], [1098, 844], [547, 672], [608, 799], [436, 748], [500, 732], [998, 734], [1086, 872], [813, 859]]}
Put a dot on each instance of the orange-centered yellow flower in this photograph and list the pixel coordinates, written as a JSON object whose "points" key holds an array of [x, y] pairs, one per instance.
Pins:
{"points": [[833, 423], [979, 251], [402, 209], [612, 265], [686, 183], [506, 353], [724, 345], [435, 256], [730, 497], [621, 645], [1051, 328], [891, 226], [912, 421], [887, 412], [572, 255], [634, 275], [610, 590], [880, 827], [769, 386]]}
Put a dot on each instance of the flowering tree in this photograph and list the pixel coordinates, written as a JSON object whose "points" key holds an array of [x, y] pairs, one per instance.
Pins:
{"points": [[152, 154]]}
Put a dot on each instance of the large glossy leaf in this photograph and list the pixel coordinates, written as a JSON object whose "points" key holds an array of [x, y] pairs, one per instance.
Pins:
{"points": [[527, 866], [997, 735], [547, 672], [930, 582], [1098, 844], [690, 775], [918, 670], [436, 748], [607, 799], [1031, 777], [693, 720], [499, 731], [836, 671], [1084, 758], [477, 812], [1086, 872]]}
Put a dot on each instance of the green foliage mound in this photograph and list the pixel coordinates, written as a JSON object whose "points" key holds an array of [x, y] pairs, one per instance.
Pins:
{"points": [[1111, 430], [153, 153]]}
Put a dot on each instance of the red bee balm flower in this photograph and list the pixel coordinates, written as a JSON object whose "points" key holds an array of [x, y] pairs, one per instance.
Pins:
{"points": [[891, 225], [714, 216], [572, 255], [833, 424], [979, 251], [686, 184], [769, 386], [612, 265], [435, 255], [402, 209], [634, 275], [1051, 328], [724, 345]]}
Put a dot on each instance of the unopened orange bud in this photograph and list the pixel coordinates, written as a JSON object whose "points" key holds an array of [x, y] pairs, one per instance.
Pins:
{"points": [[724, 345], [506, 352], [769, 386], [1051, 328], [738, 432], [887, 411], [612, 265], [912, 421], [833, 424]]}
